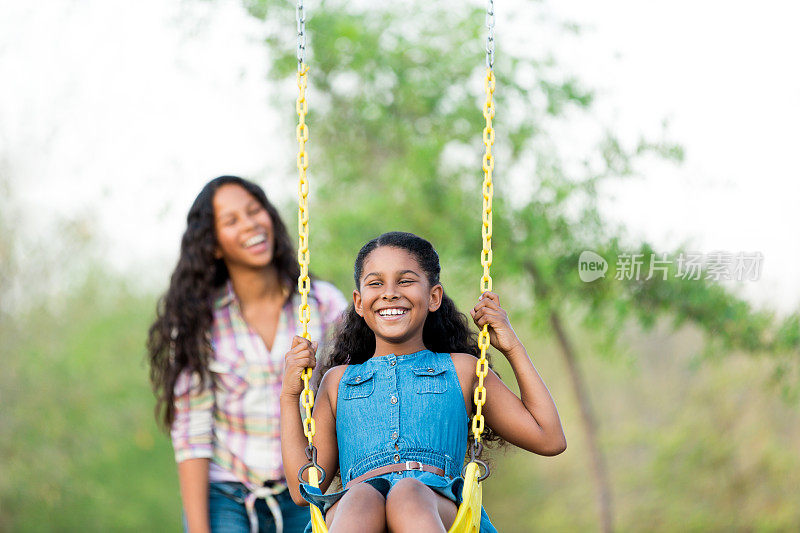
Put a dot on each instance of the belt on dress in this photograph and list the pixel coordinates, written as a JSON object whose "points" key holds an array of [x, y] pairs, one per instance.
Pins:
{"points": [[399, 467]]}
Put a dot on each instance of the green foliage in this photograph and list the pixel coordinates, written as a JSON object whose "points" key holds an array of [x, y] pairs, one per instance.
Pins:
{"points": [[699, 448], [80, 449], [8, 253], [396, 136]]}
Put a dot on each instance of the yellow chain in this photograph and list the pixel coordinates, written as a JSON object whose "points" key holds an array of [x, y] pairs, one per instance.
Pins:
{"points": [[303, 255], [482, 366]]}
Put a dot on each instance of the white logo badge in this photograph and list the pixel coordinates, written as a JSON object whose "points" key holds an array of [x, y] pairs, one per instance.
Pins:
{"points": [[591, 266]]}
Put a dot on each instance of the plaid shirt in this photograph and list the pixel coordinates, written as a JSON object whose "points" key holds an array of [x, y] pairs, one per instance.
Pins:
{"points": [[235, 419]]}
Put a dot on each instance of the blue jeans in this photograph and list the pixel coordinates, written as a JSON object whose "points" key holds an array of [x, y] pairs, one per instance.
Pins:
{"points": [[227, 513]]}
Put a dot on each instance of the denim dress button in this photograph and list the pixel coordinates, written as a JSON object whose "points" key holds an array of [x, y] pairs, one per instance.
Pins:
{"points": [[394, 399], [394, 436], [393, 363], [397, 458]]}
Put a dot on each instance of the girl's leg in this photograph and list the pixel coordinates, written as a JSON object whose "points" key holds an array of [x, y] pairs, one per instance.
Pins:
{"points": [[412, 506], [362, 508]]}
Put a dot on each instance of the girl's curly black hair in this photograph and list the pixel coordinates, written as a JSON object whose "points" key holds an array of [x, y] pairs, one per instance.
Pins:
{"points": [[179, 337], [446, 330]]}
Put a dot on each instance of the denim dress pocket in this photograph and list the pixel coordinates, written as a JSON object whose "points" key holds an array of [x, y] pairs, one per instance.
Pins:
{"points": [[359, 386], [429, 380]]}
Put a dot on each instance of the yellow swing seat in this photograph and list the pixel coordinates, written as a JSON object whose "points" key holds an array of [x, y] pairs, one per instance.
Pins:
{"points": [[468, 519]]}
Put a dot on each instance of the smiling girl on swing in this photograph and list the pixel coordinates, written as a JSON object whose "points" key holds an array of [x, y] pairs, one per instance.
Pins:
{"points": [[392, 411]]}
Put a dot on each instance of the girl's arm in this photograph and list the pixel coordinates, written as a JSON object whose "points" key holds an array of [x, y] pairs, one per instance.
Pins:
{"points": [[530, 421], [193, 477], [293, 440]]}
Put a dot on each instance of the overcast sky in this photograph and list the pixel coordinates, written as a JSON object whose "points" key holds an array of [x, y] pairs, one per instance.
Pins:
{"points": [[119, 111]]}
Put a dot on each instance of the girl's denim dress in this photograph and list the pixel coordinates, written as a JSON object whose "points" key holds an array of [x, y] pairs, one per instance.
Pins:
{"points": [[397, 408]]}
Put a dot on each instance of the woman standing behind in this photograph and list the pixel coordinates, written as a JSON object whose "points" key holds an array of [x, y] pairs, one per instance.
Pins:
{"points": [[216, 358]]}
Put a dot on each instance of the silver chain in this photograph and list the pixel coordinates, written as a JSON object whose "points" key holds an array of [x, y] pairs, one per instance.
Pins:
{"points": [[490, 35], [301, 34]]}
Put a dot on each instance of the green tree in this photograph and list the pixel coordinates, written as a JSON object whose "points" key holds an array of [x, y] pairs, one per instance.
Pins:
{"points": [[396, 123]]}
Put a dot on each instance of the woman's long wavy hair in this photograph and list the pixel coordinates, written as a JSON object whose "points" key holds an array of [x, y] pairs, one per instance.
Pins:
{"points": [[179, 339], [446, 330]]}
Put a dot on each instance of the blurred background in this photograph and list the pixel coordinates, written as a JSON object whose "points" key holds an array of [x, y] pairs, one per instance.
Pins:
{"points": [[623, 128]]}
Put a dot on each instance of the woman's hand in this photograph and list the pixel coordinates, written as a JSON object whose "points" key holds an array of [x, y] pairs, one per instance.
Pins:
{"points": [[299, 357], [501, 334]]}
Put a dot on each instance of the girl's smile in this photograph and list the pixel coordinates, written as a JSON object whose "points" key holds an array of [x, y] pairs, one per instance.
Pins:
{"points": [[392, 313], [394, 298]]}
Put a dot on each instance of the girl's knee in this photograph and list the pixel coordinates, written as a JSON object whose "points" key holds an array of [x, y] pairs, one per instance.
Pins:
{"points": [[411, 492], [362, 504], [365, 492], [412, 504]]}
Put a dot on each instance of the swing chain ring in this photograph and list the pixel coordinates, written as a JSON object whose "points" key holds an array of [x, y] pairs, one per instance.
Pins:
{"points": [[474, 454], [311, 455]]}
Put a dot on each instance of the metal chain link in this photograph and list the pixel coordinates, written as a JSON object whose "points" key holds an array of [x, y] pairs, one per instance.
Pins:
{"points": [[482, 366], [490, 34], [301, 34], [303, 253]]}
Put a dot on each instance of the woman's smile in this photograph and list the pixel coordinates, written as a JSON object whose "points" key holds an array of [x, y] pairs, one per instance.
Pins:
{"points": [[257, 244]]}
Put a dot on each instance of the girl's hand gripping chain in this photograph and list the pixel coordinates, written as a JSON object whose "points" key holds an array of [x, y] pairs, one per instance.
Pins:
{"points": [[501, 334], [529, 420], [299, 357]]}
